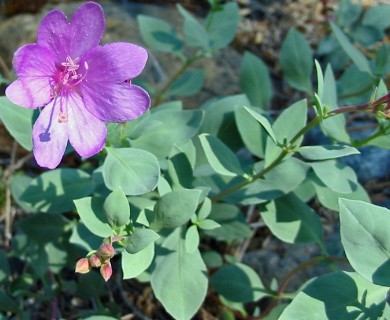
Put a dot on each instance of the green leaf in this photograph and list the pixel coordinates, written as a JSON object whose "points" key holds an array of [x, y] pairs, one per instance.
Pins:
{"points": [[208, 224], [7, 303], [337, 296], [286, 126], [92, 215], [220, 112], [252, 133], [255, 80], [179, 279], [296, 61], [135, 171], [364, 235], [192, 239], [330, 199], [220, 157], [326, 152], [335, 175], [194, 32], [283, 179], [180, 171], [377, 17], [212, 259], [320, 79], [42, 227], [293, 221], [162, 130], [233, 224], [117, 209], [205, 209], [175, 208], [18, 122], [347, 13], [140, 239], [334, 126], [55, 190], [188, 84], [263, 122], [356, 56], [82, 237], [158, 34], [238, 283], [222, 25], [134, 264], [19, 183]]}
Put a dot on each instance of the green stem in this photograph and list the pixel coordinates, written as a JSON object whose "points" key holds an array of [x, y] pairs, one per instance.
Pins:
{"points": [[360, 143], [179, 73], [272, 165]]}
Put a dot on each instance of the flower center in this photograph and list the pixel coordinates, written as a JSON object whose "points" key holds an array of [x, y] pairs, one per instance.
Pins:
{"points": [[70, 73], [69, 76]]}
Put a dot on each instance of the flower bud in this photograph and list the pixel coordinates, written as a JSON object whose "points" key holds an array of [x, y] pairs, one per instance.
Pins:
{"points": [[106, 270], [106, 251], [83, 266], [94, 260]]}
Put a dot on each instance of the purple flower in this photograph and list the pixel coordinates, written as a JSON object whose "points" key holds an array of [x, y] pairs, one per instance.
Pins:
{"points": [[79, 84]]}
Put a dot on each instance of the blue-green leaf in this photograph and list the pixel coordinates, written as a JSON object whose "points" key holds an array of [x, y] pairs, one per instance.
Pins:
{"points": [[364, 235], [54, 191], [134, 264], [220, 157], [18, 122], [175, 208], [326, 152], [158, 34], [116, 208], [356, 56], [238, 283], [255, 80], [140, 239], [296, 60], [179, 279], [91, 213], [337, 296], [135, 171], [293, 221]]}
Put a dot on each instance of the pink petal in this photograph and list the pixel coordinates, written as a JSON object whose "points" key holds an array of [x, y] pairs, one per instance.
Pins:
{"points": [[87, 134], [115, 102], [49, 136], [33, 60], [87, 28], [54, 34], [31, 93], [35, 66], [73, 38], [116, 62]]}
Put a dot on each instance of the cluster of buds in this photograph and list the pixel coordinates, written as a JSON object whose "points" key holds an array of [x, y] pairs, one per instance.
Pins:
{"points": [[97, 259]]}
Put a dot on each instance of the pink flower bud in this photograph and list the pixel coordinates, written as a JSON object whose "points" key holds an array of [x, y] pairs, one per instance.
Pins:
{"points": [[94, 260], [83, 266], [106, 251], [106, 270]]}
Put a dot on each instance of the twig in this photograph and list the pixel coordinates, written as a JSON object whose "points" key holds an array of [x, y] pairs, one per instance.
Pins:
{"points": [[127, 302], [245, 244], [14, 165], [7, 207], [6, 71]]}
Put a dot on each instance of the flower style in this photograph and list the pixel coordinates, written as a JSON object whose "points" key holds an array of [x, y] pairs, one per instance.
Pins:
{"points": [[78, 83]]}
